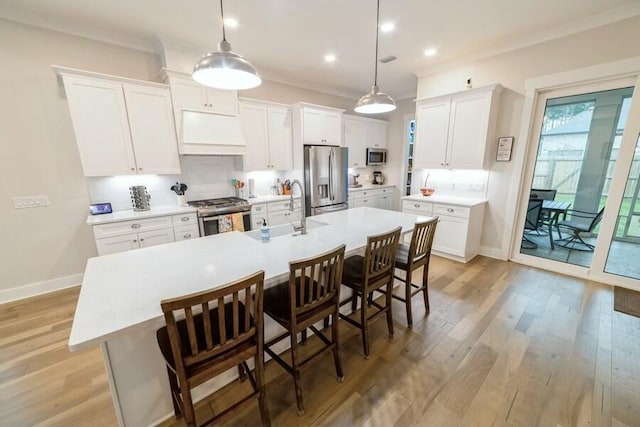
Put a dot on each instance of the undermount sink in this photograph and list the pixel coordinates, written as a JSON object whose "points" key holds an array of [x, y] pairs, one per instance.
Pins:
{"points": [[285, 230]]}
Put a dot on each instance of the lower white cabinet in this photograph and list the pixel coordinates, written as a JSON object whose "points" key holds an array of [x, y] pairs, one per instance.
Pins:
{"points": [[381, 198], [276, 213], [459, 227], [126, 235]]}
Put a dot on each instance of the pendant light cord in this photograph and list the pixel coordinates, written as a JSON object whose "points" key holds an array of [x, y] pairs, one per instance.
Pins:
{"points": [[222, 15], [375, 77]]}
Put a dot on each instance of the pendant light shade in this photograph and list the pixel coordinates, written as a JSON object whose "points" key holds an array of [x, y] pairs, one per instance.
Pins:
{"points": [[225, 69], [375, 101]]}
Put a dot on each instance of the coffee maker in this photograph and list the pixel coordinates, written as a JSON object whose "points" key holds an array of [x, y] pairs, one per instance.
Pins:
{"points": [[378, 178]]}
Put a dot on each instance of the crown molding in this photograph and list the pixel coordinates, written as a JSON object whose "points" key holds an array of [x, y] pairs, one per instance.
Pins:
{"points": [[614, 15]]}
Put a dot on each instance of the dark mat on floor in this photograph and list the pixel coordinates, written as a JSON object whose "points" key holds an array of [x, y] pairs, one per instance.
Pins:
{"points": [[626, 301]]}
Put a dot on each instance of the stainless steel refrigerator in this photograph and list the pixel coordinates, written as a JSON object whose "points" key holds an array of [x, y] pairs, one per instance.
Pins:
{"points": [[325, 178]]}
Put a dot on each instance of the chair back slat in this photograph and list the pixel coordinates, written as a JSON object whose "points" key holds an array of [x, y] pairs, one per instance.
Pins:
{"points": [[315, 281], [380, 254], [208, 337], [422, 239]]}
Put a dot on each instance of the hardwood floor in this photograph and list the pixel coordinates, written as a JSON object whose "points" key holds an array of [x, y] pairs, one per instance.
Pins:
{"points": [[503, 345]]}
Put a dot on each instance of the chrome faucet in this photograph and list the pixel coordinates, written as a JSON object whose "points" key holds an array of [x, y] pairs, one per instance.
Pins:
{"points": [[302, 228]]}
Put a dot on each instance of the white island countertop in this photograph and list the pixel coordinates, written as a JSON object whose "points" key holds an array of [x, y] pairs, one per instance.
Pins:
{"points": [[447, 200], [130, 214], [123, 291]]}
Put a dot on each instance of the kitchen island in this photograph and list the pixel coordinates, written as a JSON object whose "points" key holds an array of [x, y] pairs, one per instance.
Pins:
{"points": [[119, 303]]}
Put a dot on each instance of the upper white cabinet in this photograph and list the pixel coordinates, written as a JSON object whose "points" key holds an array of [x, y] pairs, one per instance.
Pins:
{"points": [[452, 131], [314, 125], [121, 127], [358, 134], [267, 132], [206, 119]]}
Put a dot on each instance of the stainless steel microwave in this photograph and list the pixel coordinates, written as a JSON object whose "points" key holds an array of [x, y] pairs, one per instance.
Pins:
{"points": [[376, 156]]}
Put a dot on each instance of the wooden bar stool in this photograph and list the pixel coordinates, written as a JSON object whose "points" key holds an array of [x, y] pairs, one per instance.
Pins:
{"points": [[311, 295], [364, 275], [204, 345], [413, 256]]}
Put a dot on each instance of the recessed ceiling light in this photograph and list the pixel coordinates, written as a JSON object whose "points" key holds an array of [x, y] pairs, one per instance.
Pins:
{"points": [[230, 22], [430, 52], [387, 27], [330, 58]]}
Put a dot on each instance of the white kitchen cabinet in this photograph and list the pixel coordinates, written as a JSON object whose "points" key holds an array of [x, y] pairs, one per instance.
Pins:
{"points": [[358, 134], [111, 121], [459, 227], [120, 236], [258, 212], [267, 132], [314, 125], [283, 217], [381, 198], [206, 119], [191, 95], [453, 131]]}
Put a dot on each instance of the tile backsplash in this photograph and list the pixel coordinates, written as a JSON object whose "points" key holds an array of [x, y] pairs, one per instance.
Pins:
{"points": [[206, 176], [457, 183]]}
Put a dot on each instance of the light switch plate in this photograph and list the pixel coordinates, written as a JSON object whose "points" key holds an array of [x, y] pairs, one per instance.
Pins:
{"points": [[23, 202]]}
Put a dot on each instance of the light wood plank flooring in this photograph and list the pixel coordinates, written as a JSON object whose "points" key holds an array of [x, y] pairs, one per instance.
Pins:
{"points": [[503, 345]]}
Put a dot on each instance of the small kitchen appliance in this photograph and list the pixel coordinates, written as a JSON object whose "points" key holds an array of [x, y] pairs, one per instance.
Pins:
{"points": [[140, 198], [353, 181], [376, 156], [378, 178]]}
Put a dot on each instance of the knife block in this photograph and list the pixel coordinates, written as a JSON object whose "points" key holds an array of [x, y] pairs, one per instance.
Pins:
{"points": [[140, 198]]}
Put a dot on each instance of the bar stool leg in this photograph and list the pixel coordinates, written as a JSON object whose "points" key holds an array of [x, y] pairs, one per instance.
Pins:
{"points": [[407, 297], [173, 382], [264, 409], [336, 349], [389, 312], [296, 373], [425, 287], [365, 327]]}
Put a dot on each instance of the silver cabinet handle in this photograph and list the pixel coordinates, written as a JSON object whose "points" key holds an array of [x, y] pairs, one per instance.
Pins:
{"points": [[135, 226], [184, 218], [135, 240], [365, 201], [142, 240], [187, 236], [259, 208], [133, 169], [416, 205], [449, 210]]}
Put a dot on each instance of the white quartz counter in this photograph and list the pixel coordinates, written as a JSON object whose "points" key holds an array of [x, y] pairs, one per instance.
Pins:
{"points": [[371, 187], [122, 291], [131, 214], [435, 198]]}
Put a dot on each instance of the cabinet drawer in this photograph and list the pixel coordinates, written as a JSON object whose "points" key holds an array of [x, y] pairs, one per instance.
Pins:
{"points": [[185, 219], [422, 208], [186, 232], [283, 206], [260, 209], [112, 245], [135, 226], [450, 210]]}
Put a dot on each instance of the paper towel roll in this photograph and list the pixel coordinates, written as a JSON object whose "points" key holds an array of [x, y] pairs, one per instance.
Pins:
{"points": [[252, 187]]}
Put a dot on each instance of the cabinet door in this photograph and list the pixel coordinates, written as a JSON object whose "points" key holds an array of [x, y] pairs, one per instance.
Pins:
{"points": [[280, 138], [354, 137], [386, 202], [468, 134], [152, 129], [253, 119], [189, 95], [101, 126], [283, 217], [451, 235], [112, 245], [156, 237], [432, 131], [376, 135], [314, 126], [332, 128], [222, 101], [186, 232]]}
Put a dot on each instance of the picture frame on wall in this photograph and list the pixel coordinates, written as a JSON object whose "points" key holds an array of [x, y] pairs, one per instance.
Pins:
{"points": [[505, 144]]}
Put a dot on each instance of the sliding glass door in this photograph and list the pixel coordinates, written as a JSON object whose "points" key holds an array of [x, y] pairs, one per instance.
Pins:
{"points": [[582, 204]]}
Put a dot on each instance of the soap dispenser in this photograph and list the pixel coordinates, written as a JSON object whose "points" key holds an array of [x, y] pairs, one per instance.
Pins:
{"points": [[265, 231]]}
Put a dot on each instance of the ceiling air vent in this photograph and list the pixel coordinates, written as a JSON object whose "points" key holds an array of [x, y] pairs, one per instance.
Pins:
{"points": [[388, 59]]}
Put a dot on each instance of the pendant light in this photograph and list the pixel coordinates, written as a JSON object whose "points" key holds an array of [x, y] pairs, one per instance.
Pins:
{"points": [[375, 101], [225, 69]]}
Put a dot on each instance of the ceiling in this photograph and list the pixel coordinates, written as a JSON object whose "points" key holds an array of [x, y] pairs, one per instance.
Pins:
{"points": [[287, 39]]}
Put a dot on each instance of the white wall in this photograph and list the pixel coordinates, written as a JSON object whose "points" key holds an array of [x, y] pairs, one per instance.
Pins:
{"points": [[599, 45]]}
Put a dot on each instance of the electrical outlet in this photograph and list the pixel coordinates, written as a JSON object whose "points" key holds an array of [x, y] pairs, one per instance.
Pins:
{"points": [[24, 202]]}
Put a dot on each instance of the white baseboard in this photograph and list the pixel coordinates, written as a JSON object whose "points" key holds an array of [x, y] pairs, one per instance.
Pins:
{"points": [[39, 288], [492, 253]]}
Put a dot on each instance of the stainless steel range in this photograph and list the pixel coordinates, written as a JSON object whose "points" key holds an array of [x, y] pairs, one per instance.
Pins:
{"points": [[210, 211]]}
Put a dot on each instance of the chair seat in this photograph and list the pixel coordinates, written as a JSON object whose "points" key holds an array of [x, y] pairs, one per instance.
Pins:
{"points": [[575, 225], [402, 258], [165, 345], [276, 301], [352, 271]]}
